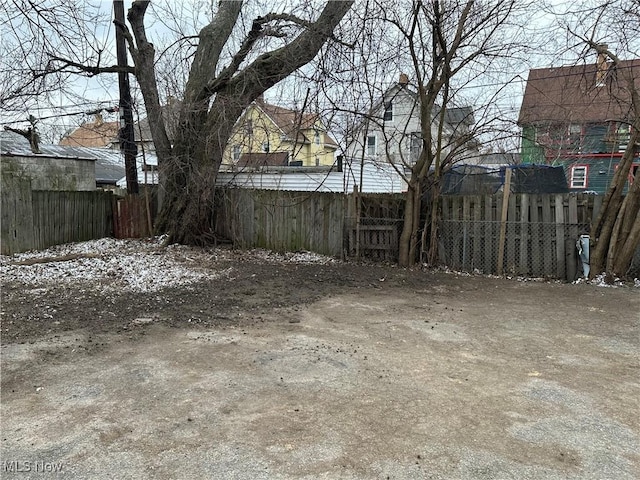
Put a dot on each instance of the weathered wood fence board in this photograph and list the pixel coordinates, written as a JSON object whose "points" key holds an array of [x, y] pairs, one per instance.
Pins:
{"points": [[282, 220], [376, 234], [63, 217], [377, 242], [540, 230], [16, 216]]}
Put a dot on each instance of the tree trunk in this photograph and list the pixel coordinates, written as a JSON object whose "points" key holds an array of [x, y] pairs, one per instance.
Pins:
{"points": [[409, 228], [629, 232], [413, 244], [434, 224], [187, 213], [604, 227], [623, 260]]}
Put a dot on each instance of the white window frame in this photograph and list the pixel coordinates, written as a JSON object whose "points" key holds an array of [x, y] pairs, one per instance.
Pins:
{"points": [[574, 178], [372, 147], [237, 151]]}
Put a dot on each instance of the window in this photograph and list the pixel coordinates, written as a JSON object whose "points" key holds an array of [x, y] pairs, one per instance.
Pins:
{"points": [[249, 127], [579, 176], [619, 135], [557, 133], [316, 138], [388, 111], [265, 146], [371, 145], [415, 147], [575, 137], [236, 153]]}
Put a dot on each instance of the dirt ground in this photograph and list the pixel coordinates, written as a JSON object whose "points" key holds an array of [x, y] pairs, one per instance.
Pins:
{"points": [[307, 371]]}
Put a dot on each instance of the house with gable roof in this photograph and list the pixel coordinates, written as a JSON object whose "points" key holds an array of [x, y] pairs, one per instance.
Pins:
{"points": [[579, 117], [94, 134], [269, 135], [391, 131]]}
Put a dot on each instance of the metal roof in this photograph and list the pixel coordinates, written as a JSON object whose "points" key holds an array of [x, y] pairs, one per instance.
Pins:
{"points": [[109, 163], [376, 178]]}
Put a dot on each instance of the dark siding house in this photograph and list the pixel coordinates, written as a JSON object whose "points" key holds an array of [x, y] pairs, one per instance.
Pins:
{"points": [[578, 117]]}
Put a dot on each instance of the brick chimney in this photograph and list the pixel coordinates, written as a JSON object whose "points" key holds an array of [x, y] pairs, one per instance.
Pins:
{"points": [[404, 80], [602, 66]]}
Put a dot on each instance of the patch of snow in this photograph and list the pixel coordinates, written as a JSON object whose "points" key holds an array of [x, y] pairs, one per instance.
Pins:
{"points": [[124, 265], [601, 282], [133, 265]]}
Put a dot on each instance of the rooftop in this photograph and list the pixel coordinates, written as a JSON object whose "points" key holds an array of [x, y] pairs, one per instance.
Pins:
{"points": [[580, 93]]}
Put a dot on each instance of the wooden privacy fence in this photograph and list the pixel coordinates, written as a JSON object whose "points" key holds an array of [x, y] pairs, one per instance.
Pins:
{"points": [[528, 235], [524, 234], [282, 220], [33, 220]]}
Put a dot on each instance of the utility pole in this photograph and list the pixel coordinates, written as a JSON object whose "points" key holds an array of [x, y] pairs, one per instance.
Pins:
{"points": [[126, 134]]}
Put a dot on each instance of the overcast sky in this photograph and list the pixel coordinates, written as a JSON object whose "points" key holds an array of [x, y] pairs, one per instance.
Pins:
{"points": [[552, 51]]}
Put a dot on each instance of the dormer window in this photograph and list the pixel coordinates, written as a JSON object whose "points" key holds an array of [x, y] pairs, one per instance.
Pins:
{"points": [[388, 111]]}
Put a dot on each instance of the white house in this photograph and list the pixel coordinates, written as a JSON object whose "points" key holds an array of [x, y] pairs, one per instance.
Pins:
{"points": [[391, 131]]}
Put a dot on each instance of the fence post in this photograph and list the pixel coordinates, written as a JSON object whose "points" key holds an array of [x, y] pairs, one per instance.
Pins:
{"points": [[570, 243], [358, 201], [503, 219], [523, 268], [560, 247]]}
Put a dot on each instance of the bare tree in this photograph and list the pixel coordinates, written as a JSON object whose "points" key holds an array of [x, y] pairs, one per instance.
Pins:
{"points": [[617, 228], [441, 46], [228, 68], [214, 98], [605, 28]]}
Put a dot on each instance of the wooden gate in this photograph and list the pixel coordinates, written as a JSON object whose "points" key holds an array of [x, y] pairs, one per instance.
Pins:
{"points": [[132, 217]]}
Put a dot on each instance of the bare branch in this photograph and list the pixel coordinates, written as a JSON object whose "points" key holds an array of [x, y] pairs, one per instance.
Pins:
{"points": [[79, 67]]}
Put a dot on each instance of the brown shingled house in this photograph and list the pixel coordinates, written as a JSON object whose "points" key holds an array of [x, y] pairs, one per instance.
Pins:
{"points": [[92, 134], [105, 134], [578, 117]]}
